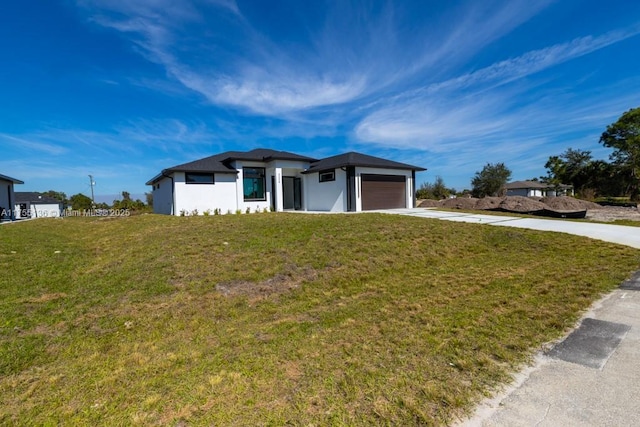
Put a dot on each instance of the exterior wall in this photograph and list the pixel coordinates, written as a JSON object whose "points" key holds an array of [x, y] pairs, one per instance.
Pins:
{"points": [[328, 196], [163, 197], [525, 192], [518, 192], [38, 210], [202, 197], [45, 210], [409, 188], [6, 197]]}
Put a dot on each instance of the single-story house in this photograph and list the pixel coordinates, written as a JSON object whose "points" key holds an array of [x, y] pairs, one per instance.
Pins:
{"points": [[36, 205], [537, 189], [278, 180], [7, 197]]}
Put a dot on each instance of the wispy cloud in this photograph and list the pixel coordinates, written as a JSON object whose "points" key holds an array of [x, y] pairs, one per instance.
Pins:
{"points": [[22, 144], [535, 61], [355, 53], [467, 108]]}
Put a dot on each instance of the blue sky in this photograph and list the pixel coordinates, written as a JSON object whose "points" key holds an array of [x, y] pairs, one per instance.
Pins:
{"points": [[121, 89]]}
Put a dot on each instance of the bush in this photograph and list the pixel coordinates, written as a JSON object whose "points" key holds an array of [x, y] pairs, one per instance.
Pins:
{"points": [[437, 190]]}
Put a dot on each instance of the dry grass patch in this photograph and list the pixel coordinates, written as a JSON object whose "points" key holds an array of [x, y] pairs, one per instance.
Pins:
{"points": [[279, 319]]}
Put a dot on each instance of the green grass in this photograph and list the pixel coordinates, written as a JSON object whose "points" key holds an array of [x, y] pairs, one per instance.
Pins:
{"points": [[273, 319]]}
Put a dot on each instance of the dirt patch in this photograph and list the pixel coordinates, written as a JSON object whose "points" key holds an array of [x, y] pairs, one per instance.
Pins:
{"points": [[564, 203], [521, 204], [47, 297], [279, 284], [488, 203], [613, 213], [460, 203], [429, 203]]}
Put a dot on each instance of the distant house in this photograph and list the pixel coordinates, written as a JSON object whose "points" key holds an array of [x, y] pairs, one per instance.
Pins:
{"points": [[7, 197], [278, 180], [36, 205], [537, 189]]}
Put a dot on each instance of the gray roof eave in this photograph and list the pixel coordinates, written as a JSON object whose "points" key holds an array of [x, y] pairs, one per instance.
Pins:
{"points": [[8, 178]]}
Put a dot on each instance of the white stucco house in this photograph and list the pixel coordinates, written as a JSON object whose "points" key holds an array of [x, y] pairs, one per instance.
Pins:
{"points": [[278, 180], [35, 205], [7, 197], [537, 189]]}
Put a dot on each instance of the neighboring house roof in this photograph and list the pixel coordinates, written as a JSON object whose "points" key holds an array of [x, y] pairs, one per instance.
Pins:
{"points": [[8, 178], [358, 159], [220, 163], [33, 197], [519, 185]]}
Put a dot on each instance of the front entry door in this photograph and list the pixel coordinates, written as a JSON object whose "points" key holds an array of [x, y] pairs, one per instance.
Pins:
{"points": [[297, 194], [273, 193], [291, 193]]}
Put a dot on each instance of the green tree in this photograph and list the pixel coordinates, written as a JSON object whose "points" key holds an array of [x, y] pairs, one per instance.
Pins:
{"points": [[624, 137], [571, 167], [128, 203], [80, 201], [149, 198], [436, 190], [490, 180]]}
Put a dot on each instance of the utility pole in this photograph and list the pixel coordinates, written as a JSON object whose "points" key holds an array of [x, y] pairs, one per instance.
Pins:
{"points": [[93, 202]]}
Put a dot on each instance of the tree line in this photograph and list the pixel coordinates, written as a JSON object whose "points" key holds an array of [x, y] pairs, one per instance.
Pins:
{"points": [[590, 178], [82, 202]]}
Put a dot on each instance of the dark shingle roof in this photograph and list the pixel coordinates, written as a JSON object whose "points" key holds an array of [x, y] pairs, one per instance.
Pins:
{"points": [[33, 197], [265, 155], [219, 163], [518, 185], [358, 159], [8, 178]]}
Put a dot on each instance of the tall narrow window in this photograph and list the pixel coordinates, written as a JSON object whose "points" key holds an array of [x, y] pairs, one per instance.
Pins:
{"points": [[254, 184]]}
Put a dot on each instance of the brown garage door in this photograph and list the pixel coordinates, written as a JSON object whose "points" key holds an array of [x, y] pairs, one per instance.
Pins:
{"points": [[383, 192]]}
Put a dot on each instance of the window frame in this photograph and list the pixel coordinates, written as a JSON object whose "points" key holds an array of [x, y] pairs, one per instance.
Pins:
{"points": [[200, 174], [327, 176], [260, 175]]}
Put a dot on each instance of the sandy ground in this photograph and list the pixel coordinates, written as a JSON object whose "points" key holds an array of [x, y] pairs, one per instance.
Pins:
{"points": [[595, 212], [612, 213]]}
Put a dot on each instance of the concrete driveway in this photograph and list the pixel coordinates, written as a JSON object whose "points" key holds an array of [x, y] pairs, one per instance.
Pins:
{"points": [[592, 376], [624, 235]]}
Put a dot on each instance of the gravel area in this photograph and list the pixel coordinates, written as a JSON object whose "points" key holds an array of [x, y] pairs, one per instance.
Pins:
{"points": [[612, 213], [595, 212]]}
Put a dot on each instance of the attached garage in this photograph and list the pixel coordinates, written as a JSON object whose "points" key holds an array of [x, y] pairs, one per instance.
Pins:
{"points": [[383, 191], [354, 182]]}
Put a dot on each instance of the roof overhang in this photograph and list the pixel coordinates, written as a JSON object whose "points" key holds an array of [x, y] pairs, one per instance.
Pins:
{"points": [[166, 173], [13, 180]]}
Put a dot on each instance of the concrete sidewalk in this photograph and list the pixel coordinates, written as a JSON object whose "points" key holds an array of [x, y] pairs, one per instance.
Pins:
{"points": [[592, 377], [566, 388], [624, 235]]}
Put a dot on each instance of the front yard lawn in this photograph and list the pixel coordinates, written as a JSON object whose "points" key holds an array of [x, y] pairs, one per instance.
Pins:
{"points": [[273, 319]]}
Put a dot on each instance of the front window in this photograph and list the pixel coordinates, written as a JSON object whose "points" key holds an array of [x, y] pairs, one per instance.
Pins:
{"points": [[254, 184], [327, 176], [198, 178]]}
